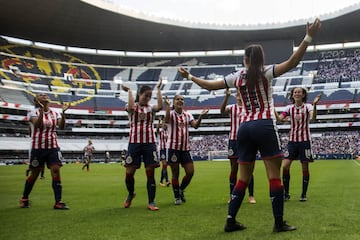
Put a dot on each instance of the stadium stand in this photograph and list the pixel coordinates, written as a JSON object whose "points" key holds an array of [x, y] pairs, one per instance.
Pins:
{"points": [[91, 84]]}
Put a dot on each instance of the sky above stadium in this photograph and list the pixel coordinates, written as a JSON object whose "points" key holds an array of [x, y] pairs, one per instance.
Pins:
{"points": [[234, 14]]}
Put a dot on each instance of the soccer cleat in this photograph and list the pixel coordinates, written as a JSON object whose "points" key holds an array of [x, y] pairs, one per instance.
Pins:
{"points": [[162, 184], [284, 227], [252, 200], [24, 203], [286, 197], [127, 202], [233, 226], [152, 207], [303, 198], [182, 197], [61, 206], [168, 184], [178, 201]]}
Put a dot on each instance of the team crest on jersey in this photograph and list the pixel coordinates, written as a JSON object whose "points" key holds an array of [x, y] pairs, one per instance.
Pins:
{"points": [[47, 124], [35, 163], [173, 158], [297, 117], [129, 160], [142, 116], [230, 152]]}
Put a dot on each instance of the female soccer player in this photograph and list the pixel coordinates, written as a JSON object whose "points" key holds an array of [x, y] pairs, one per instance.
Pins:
{"points": [[44, 122], [89, 149], [179, 121], [142, 141], [162, 132], [258, 131], [235, 113], [299, 145]]}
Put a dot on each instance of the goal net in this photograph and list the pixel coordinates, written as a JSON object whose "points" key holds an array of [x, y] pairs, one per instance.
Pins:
{"points": [[217, 155]]}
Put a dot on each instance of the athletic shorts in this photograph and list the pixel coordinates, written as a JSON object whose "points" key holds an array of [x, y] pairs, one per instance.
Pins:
{"points": [[258, 135], [232, 149], [38, 157], [178, 157], [299, 150], [138, 152]]}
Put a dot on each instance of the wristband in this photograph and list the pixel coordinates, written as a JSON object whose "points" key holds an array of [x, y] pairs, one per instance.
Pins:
{"points": [[189, 76], [307, 38]]}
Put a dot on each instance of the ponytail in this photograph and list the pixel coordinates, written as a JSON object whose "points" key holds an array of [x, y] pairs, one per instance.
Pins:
{"points": [[255, 57]]}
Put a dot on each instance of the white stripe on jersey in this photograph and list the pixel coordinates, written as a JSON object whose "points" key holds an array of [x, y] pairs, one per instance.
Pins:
{"points": [[235, 119], [257, 102], [299, 121], [163, 136], [141, 124], [89, 149], [179, 130], [45, 138]]}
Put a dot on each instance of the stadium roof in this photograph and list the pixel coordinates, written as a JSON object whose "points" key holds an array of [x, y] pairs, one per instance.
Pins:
{"points": [[79, 24]]}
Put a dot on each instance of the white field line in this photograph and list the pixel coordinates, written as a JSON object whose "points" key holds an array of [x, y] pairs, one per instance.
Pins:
{"points": [[356, 162]]}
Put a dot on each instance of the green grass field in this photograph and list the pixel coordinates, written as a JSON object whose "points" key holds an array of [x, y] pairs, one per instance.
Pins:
{"points": [[96, 212]]}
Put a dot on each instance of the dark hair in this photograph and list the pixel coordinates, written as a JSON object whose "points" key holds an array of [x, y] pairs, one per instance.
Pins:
{"points": [[255, 57], [141, 90], [36, 104], [304, 99]]}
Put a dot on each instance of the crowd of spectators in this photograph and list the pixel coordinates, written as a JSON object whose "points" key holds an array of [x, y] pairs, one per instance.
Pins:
{"points": [[337, 143], [336, 66], [323, 143]]}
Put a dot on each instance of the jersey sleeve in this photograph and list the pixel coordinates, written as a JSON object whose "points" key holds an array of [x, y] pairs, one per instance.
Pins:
{"points": [[230, 79], [31, 114], [269, 72], [191, 117], [309, 107], [286, 111]]}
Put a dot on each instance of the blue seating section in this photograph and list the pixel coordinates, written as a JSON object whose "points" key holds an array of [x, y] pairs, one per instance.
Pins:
{"points": [[339, 66], [149, 75], [109, 103]]}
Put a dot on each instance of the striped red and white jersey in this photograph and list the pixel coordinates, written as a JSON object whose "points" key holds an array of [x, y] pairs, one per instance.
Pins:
{"points": [[257, 102], [299, 121], [163, 137], [45, 138], [235, 115], [89, 149], [142, 124], [179, 130]]}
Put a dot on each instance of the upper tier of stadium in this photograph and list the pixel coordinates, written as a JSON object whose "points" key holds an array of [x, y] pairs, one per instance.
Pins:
{"points": [[80, 24]]}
